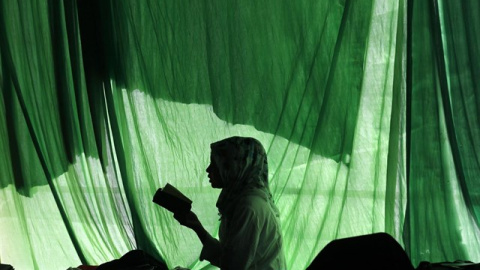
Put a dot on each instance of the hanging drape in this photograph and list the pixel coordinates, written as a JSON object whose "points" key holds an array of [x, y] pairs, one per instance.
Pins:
{"points": [[443, 100], [369, 111]]}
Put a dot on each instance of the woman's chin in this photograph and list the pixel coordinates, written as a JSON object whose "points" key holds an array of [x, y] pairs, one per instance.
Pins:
{"points": [[214, 185]]}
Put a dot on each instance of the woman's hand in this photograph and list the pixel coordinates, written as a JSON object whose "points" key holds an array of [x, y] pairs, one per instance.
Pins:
{"points": [[188, 219]]}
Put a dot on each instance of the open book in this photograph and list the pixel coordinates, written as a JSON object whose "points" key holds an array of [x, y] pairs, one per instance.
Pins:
{"points": [[172, 199]]}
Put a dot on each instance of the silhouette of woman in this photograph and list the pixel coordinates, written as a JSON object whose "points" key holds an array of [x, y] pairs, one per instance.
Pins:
{"points": [[250, 233]]}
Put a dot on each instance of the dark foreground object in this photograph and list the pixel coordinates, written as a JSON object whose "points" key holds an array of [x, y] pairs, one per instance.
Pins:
{"points": [[6, 267], [134, 260], [377, 251]]}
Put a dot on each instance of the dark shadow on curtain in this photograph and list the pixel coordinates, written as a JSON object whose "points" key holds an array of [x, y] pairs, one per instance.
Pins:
{"points": [[261, 66], [28, 166], [291, 69]]}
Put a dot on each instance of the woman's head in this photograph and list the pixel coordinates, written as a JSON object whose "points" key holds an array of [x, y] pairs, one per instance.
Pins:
{"points": [[237, 163], [239, 166]]}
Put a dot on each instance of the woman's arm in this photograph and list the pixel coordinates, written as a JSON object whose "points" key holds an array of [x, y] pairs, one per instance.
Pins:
{"points": [[211, 247], [190, 220]]}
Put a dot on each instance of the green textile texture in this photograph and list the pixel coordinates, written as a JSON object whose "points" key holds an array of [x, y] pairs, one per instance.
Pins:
{"points": [[369, 112]]}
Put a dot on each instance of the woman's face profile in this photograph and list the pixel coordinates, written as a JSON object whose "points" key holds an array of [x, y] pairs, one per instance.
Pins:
{"points": [[214, 174]]}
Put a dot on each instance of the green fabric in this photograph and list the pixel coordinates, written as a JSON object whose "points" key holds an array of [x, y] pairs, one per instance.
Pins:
{"points": [[369, 112], [444, 130]]}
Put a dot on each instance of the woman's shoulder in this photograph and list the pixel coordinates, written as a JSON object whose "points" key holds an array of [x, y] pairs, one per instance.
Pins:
{"points": [[254, 200]]}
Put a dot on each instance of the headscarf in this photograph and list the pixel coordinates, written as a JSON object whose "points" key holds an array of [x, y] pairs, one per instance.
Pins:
{"points": [[243, 169]]}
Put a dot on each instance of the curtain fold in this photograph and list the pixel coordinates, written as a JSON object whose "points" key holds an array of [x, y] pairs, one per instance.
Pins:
{"points": [[442, 222], [368, 111], [58, 198]]}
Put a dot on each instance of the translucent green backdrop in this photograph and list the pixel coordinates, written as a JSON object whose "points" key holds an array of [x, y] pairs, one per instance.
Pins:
{"points": [[369, 111]]}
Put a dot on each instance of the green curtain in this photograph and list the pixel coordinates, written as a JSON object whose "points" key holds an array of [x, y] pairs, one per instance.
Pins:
{"points": [[369, 111], [444, 102]]}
